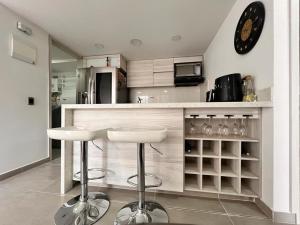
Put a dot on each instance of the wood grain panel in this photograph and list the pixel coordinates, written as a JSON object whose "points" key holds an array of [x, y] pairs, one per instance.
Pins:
{"points": [[66, 154], [188, 59], [120, 158], [140, 73], [163, 65], [163, 79]]}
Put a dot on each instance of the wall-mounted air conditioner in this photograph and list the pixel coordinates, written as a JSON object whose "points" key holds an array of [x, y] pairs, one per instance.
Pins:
{"points": [[22, 50]]}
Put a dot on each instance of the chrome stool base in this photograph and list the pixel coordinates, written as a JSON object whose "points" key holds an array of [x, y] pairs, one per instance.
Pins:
{"points": [[76, 212], [131, 214]]}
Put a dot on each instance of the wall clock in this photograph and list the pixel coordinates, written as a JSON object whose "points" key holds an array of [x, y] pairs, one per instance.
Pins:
{"points": [[249, 27]]}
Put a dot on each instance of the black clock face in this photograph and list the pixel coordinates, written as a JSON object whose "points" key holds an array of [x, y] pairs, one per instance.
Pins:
{"points": [[249, 27]]}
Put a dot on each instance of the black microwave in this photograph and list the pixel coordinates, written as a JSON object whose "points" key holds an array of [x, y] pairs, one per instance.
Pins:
{"points": [[188, 74]]}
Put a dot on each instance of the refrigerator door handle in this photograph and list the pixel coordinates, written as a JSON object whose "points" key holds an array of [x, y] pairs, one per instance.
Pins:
{"points": [[91, 87]]}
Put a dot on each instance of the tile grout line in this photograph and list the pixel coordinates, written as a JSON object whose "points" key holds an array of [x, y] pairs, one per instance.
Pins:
{"points": [[197, 210], [242, 216], [231, 221]]}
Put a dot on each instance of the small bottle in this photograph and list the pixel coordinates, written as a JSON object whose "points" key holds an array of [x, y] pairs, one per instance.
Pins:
{"points": [[248, 89]]}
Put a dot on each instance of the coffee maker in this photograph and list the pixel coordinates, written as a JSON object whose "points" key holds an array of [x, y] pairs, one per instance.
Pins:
{"points": [[228, 88]]}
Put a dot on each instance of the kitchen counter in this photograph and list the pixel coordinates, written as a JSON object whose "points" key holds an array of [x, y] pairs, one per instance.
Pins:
{"points": [[120, 158], [172, 105]]}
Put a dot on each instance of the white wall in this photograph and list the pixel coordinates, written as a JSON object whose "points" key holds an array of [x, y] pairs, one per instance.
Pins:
{"points": [[282, 133], [220, 57], [22, 127]]}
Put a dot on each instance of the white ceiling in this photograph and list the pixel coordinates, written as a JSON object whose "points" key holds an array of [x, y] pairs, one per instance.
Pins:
{"points": [[60, 54], [79, 24]]}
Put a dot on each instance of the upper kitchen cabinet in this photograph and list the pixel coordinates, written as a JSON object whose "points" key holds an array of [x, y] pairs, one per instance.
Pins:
{"points": [[163, 65], [163, 72], [140, 73], [190, 59], [117, 61], [150, 73]]}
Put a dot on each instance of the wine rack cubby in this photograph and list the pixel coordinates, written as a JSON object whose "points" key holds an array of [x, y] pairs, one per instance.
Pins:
{"points": [[220, 164]]}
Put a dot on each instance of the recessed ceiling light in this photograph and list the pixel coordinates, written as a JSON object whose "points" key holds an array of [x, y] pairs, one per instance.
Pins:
{"points": [[136, 42], [176, 38], [99, 46]]}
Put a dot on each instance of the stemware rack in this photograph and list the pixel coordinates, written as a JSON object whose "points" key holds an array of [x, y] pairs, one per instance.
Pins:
{"points": [[223, 164]]}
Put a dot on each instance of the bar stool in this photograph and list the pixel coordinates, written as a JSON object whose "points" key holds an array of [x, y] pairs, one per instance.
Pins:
{"points": [[140, 211], [88, 207]]}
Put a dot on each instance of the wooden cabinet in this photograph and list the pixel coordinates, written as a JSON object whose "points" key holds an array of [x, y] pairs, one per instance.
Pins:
{"points": [[163, 79], [117, 61], [163, 72], [223, 164], [140, 73], [163, 65], [188, 59], [150, 73]]}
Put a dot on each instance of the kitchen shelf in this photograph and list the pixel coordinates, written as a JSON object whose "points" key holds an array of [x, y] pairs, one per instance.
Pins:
{"points": [[247, 157], [229, 167], [210, 183], [250, 150], [224, 164], [210, 166], [248, 169], [249, 187], [192, 165], [217, 138], [192, 182], [229, 185], [230, 149], [192, 148], [210, 148]]}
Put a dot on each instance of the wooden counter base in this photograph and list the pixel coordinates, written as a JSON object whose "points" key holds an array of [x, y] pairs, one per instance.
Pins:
{"points": [[120, 158]]}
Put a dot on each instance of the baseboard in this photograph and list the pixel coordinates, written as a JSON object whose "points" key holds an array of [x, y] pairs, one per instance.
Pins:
{"points": [[283, 217], [23, 168], [278, 217], [266, 209]]}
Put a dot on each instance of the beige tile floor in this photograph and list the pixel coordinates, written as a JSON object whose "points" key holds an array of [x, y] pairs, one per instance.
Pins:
{"points": [[32, 198]]}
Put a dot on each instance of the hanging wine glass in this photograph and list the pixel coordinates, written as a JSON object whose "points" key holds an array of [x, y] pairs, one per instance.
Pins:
{"points": [[203, 127], [193, 126], [220, 128], [235, 128], [244, 125], [226, 129], [209, 127]]}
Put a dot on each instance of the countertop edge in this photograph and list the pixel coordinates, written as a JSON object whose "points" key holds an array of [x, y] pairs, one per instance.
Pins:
{"points": [[262, 104]]}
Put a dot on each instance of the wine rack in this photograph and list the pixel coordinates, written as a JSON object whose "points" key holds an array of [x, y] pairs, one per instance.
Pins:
{"points": [[228, 165]]}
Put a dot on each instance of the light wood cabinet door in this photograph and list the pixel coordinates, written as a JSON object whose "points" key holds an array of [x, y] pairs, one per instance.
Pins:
{"points": [[188, 59], [163, 65], [163, 79], [140, 73]]}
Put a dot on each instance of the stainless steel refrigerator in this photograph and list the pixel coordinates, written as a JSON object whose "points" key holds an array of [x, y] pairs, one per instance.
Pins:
{"points": [[101, 85]]}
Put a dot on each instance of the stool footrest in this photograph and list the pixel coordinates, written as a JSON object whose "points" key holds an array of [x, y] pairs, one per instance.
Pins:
{"points": [[158, 184], [76, 176]]}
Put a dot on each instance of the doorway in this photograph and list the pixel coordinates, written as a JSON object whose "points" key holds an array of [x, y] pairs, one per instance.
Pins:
{"points": [[63, 78]]}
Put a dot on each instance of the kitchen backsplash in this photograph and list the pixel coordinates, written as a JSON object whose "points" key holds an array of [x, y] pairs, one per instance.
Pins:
{"points": [[168, 94]]}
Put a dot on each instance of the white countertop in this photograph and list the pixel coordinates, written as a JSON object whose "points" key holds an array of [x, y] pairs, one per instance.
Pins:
{"points": [[171, 105]]}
